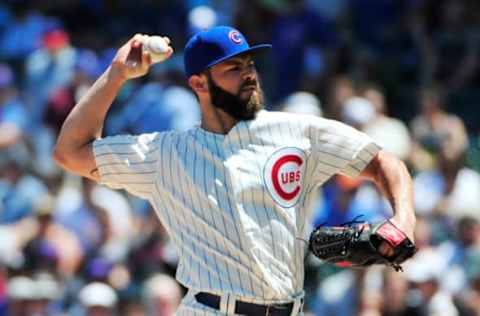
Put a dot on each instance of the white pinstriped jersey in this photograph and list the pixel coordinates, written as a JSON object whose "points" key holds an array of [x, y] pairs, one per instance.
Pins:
{"points": [[235, 204]]}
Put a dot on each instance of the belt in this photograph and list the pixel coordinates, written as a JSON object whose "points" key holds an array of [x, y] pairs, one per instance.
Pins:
{"points": [[248, 309]]}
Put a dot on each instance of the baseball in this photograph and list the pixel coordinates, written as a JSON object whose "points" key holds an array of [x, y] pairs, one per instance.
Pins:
{"points": [[157, 47]]}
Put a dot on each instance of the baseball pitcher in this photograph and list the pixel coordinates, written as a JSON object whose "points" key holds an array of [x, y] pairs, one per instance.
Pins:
{"points": [[232, 192]]}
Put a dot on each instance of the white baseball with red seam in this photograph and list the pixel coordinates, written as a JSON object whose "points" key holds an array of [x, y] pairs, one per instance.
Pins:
{"points": [[158, 48]]}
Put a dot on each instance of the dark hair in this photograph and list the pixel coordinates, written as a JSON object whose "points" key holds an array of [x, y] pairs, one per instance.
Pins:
{"points": [[370, 85], [434, 91]]}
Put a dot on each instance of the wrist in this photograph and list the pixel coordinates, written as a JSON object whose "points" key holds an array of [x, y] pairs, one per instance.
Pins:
{"points": [[406, 222], [115, 77], [405, 217]]}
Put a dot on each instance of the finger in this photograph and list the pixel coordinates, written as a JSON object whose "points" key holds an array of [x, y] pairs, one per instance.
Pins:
{"points": [[146, 60], [124, 51], [134, 42], [169, 52], [167, 40], [386, 250], [134, 57], [138, 37], [137, 42]]}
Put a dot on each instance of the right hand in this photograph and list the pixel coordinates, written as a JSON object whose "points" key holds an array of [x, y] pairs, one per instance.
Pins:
{"points": [[131, 60]]}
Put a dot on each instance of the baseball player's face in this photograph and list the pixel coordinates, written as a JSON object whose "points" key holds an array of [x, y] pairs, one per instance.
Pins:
{"points": [[234, 87]]}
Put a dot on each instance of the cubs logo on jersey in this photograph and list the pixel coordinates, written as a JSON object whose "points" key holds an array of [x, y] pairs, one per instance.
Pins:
{"points": [[283, 175]]}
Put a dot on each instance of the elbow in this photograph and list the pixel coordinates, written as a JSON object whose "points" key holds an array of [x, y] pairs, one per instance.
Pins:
{"points": [[403, 168], [79, 161], [389, 161], [385, 165], [60, 157]]}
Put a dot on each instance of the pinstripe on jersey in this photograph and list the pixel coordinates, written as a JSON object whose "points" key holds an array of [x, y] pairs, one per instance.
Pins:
{"points": [[235, 204]]}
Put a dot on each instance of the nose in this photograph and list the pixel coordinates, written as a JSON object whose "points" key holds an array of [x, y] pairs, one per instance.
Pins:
{"points": [[249, 74]]}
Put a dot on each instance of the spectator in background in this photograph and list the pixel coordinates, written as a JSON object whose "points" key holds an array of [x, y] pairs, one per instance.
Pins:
{"points": [[358, 286], [224, 13], [390, 133], [462, 255], [450, 191], [337, 289], [98, 299], [50, 246], [443, 272], [62, 100], [358, 112], [47, 292], [20, 291], [23, 31], [117, 221], [47, 69], [299, 35], [151, 251], [435, 131], [34, 296], [18, 190], [15, 121], [395, 295], [305, 42], [424, 272], [332, 9], [374, 24], [302, 102], [423, 233], [469, 237], [161, 104], [99, 218], [346, 199], [157, 17], [162, 295], [341, 88], [202, 17], [76, 211], [374, 31], [471, 297], [13, 117], [5, 17], [455, 43]]}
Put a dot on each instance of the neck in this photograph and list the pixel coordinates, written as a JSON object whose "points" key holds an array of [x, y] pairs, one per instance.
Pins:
{"points": [[434, 116], [216, 120]]}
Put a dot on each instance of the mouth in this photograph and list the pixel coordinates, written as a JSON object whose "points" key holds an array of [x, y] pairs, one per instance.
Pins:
{"points": [[249, 88]]}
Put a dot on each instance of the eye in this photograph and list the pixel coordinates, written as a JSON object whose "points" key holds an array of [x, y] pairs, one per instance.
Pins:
{"points": [[234, 68]]}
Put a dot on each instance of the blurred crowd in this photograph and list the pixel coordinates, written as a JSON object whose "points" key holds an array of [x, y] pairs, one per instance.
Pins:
{"points": [[404, 72]]}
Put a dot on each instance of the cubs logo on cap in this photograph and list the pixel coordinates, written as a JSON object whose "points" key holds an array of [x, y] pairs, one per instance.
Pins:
{"points": [[283, 175], [235, 37], [208, 48]]}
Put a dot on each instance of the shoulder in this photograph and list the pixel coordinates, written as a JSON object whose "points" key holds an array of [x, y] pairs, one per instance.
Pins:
{"points": [[454, 120], [469, 176], [148, 142], [127, 139], [275, 117], [265, 115], [312, 125]]}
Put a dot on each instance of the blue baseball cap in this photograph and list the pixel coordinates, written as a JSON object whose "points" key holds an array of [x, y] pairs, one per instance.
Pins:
{"points": [[210, 47]]}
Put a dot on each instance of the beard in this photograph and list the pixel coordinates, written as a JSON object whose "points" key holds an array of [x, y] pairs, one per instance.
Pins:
{"points": [[240, 108]]}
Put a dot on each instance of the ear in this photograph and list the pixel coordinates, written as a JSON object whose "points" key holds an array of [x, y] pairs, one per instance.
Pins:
{"points": [[198, 83]]}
